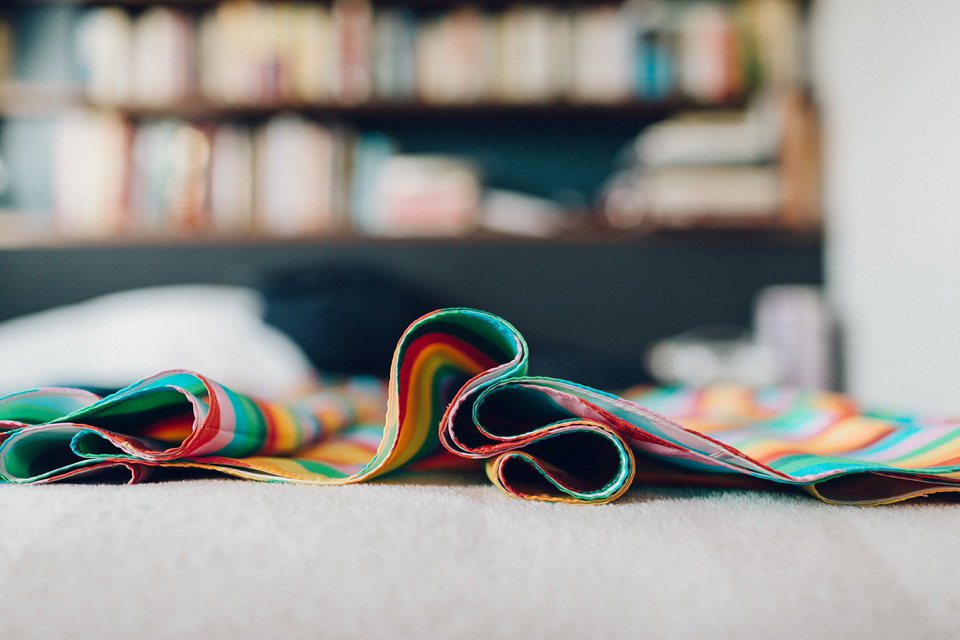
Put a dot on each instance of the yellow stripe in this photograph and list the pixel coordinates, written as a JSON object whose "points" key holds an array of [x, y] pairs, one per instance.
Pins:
{"points": [[840, 438], [287, 436], [418, 422], [724, 400], [289, 469], [338, 452]]}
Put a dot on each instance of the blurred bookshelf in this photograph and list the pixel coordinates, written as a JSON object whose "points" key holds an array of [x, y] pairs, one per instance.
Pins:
{"points": [[206, 122]]}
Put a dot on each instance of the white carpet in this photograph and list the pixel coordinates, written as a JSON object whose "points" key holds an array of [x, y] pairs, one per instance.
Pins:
{"points": [[454, 558]]}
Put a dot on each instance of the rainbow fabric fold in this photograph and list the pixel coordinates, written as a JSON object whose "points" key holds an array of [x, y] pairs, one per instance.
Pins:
{"points": [[459, 395]]}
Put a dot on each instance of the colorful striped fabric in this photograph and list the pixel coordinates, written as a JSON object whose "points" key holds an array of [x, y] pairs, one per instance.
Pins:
{"points": [[458, 396]]}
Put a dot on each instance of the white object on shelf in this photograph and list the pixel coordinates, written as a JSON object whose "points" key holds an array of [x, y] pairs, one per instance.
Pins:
{"points": [[710, 355], [795, 322], [90, 174], [710, 138], [295, 176], [521, 214], [423, 195], [681, 196]]}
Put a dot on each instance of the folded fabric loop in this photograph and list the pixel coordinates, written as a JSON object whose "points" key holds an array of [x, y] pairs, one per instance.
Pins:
{"points": [[37, 406], [46, 453], [573, 462]]}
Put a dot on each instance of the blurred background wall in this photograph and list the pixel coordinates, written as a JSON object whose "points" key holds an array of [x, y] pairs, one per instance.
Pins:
{"points": [[888, 82]]}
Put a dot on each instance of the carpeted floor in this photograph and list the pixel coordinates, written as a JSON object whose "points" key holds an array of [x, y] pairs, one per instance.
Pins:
{"points": [[442, 557]]}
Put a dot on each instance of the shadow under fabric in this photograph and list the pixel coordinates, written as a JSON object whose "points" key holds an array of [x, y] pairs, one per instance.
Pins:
{"points": [[458, 390]]}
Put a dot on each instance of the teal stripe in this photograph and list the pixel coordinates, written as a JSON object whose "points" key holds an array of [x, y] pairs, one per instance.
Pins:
{"points": [[810, 464], [250, 431]]}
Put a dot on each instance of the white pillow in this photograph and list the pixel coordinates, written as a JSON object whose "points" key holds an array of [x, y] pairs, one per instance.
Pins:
{"points": [[117, 339]]}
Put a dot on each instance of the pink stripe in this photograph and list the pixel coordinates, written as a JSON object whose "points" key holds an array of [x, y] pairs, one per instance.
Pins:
{"points": [[227, 426]]}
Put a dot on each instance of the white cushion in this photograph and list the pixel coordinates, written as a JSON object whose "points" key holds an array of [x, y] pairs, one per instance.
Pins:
{"points": [[117, 339]]}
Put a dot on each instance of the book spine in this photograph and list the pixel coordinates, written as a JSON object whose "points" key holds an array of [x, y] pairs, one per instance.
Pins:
{"points": [[353, 29]]}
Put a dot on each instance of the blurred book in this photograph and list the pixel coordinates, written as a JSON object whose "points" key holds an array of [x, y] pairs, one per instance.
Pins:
{"points": [[709, 55], [603, 55], [750, 136], [254, 52], [162, 60], [47, 55], [774, 33], [534, 53], [690, 196], [396, 194], [298, 175], [286, 177], [371, 152], [417, 195], [394, 54], [170, 179], [26, 157], [91, 174], [796, 323], [238, 53], [228, 64], [232, 180], [312, 62], [520, 214], [655, 44], [150, 175], [352, 34], [455, 57], [105, 44]]}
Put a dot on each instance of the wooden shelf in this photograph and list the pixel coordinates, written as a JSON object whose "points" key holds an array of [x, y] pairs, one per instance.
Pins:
{"points": [[190, 5], [37, 98], [632, 110], [18, 232]]}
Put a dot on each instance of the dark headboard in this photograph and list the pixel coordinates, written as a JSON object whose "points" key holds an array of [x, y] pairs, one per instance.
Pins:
{"points": [[589, 309]]}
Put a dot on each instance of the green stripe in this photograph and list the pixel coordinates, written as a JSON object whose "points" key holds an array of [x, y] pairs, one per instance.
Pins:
{"points": [[251, 428], [319, 468]]}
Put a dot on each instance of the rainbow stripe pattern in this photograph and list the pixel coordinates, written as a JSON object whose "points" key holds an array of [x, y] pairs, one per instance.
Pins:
{"points": [[459, 396]]}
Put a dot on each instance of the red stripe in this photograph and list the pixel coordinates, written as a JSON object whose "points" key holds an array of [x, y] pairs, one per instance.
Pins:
{"points": [[413, 351], [270, 437], [209, 428]]}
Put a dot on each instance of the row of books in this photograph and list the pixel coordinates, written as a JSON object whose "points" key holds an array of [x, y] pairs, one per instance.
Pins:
{"points": [[292, 176], [756, 167], [288, 177], [243, 52]]}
